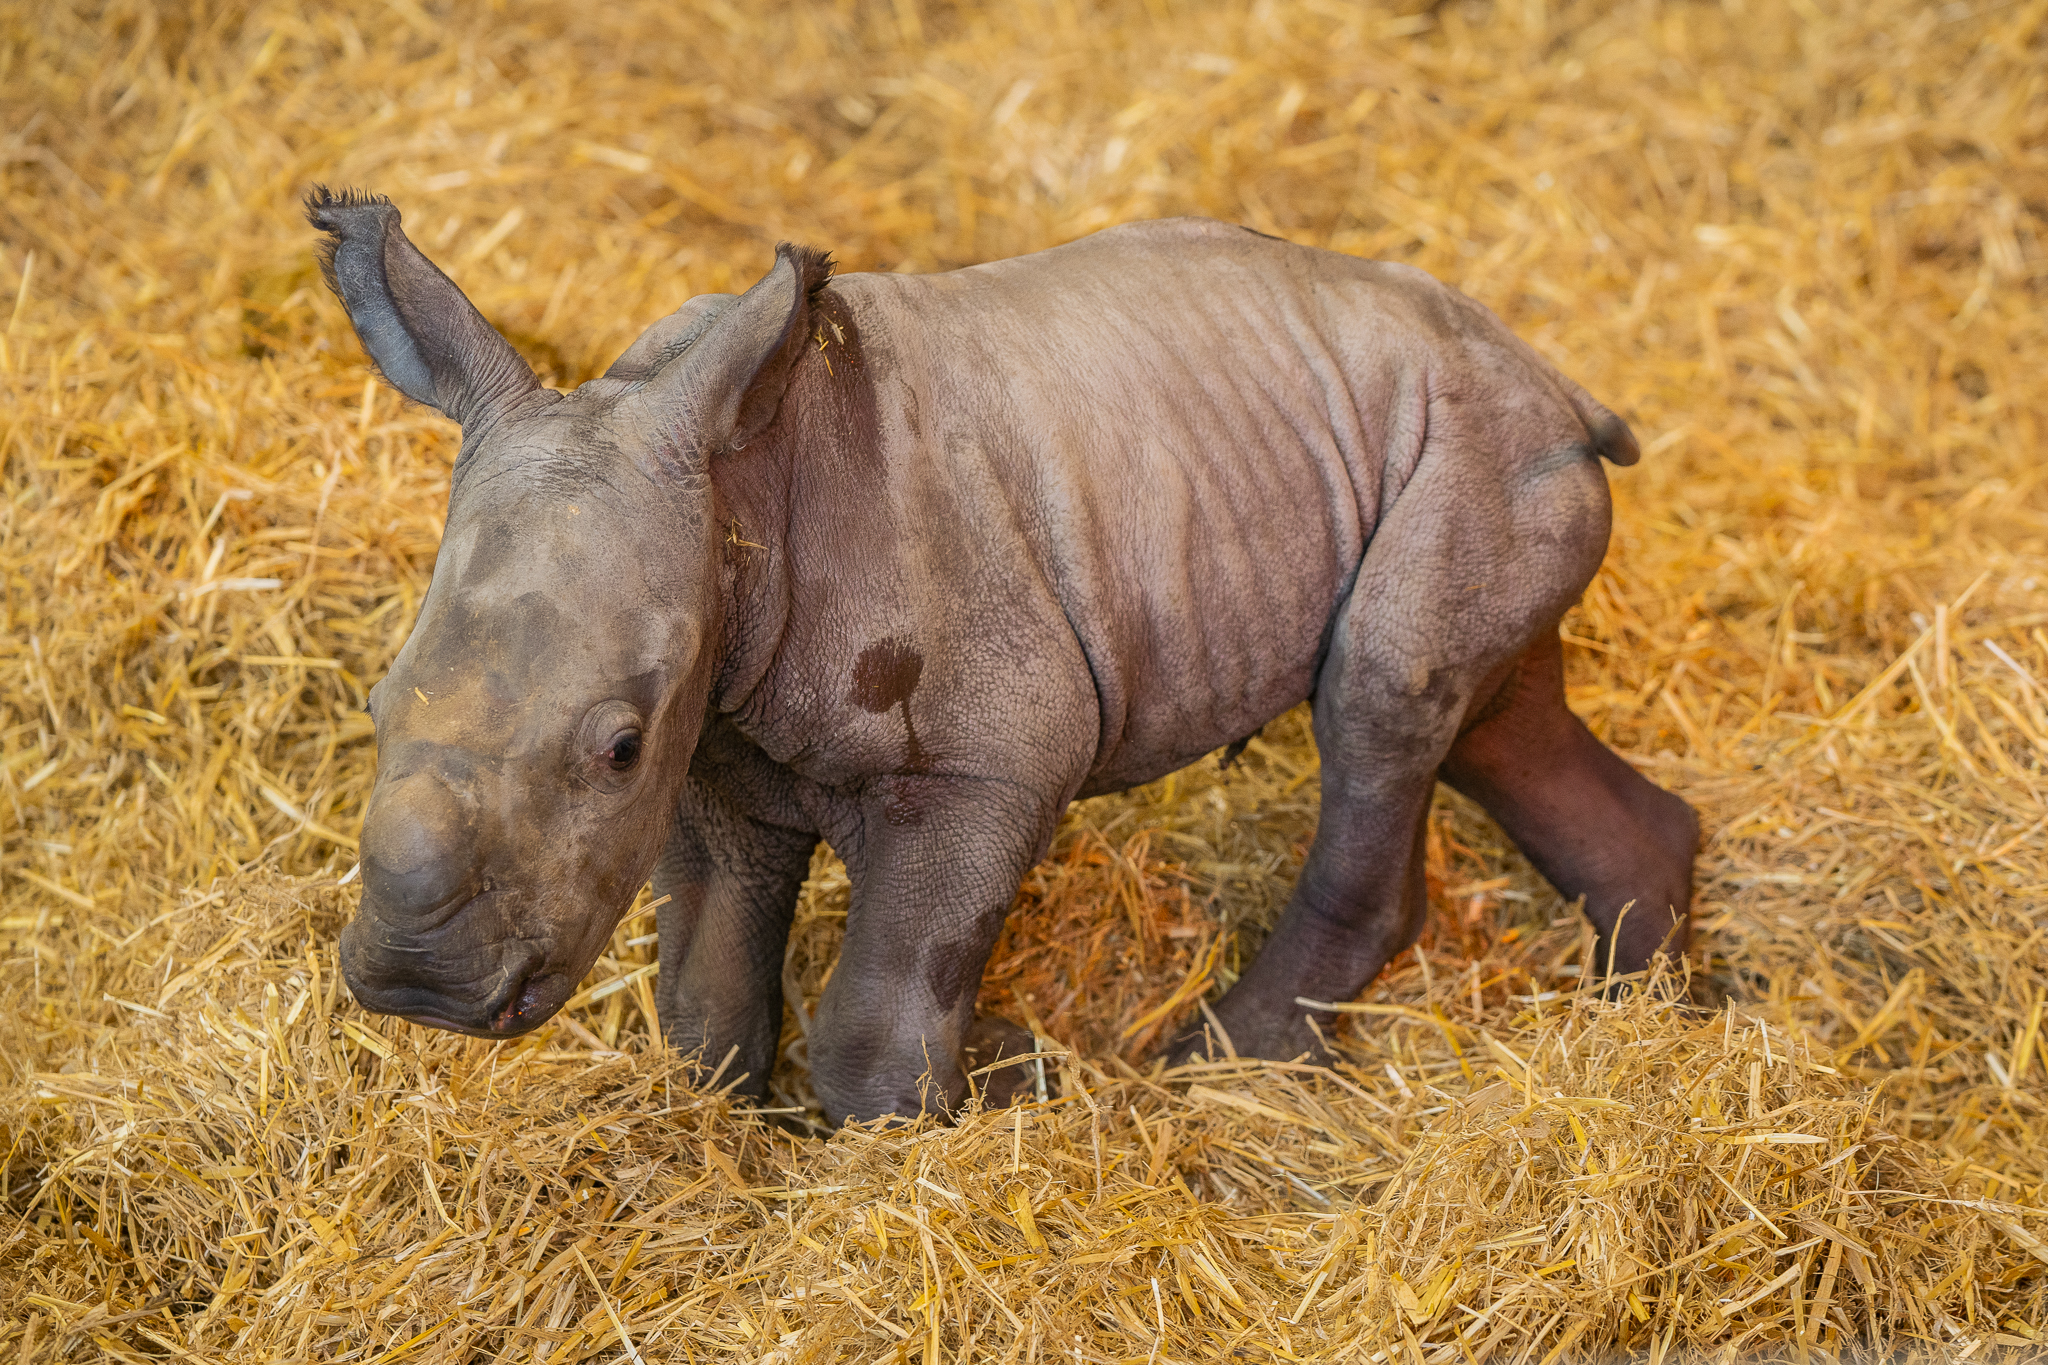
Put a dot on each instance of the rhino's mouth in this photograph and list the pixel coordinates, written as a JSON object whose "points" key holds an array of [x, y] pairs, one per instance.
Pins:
{"points": [[506, 990], [526, 1008]]}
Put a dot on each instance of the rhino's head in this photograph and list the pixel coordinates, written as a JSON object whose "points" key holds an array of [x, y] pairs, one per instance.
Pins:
{"points": [[534, 732]]}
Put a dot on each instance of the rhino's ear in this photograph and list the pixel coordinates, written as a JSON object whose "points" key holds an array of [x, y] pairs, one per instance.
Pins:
{"points": [[669, 338], [427, 338], [730, 377]]}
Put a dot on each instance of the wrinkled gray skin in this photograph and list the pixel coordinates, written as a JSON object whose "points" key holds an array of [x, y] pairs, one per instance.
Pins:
{"points": [[908, 563]]}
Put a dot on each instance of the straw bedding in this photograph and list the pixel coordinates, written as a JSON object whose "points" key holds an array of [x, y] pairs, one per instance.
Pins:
{"points": [[1799, 243]]}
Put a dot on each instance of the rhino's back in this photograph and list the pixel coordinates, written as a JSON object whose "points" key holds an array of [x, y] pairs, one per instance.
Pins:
{"points": [[1186, 432]]}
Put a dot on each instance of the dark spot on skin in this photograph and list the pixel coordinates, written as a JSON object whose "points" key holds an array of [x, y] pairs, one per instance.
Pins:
{"points": [[945, 974], [1442, 694], [951, 968], [884, 676]]}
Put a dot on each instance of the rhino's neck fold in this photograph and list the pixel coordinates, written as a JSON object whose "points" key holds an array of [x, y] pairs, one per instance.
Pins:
{"points": [[793, 471], [751, 505]]}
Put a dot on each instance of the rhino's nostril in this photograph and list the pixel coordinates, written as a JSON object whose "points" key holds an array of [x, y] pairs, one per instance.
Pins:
{"points": [[525, 1003]]}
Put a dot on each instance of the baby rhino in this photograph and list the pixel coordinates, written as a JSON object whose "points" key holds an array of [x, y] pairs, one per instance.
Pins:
{"points": [[908, 563]]}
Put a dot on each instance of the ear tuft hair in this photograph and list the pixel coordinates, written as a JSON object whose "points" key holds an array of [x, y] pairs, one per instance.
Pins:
{"points": [[320, 199], [814, 266], [322, 204]]}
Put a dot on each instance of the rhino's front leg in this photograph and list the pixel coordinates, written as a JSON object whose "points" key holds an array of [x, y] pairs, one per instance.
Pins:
{"points": [[935, 864], [732, 883]]}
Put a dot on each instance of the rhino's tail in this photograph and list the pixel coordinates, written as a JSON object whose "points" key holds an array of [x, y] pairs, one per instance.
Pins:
{"points": [[1608, 435]]}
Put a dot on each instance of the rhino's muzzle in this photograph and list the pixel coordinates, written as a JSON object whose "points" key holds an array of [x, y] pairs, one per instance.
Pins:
{"points": [[448, 933], [414, 948], [495, 992]]}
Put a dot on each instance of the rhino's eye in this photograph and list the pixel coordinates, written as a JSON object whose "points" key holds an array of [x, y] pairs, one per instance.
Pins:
{"points": [[607, 746]]}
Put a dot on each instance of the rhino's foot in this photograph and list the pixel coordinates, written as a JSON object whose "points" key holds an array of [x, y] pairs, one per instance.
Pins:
{"points": [[1281, 1035], [1592, 825], [991, 1039]]}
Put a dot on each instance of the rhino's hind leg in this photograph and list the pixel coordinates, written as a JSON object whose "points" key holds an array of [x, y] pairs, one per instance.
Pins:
{"points": [[1467, 569], [1360, 898], [1591, 824]]}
